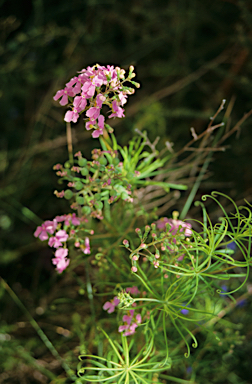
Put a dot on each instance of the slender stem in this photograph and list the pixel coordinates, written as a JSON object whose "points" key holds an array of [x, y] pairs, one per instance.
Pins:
{"points": [[69, 142], [39, 331]]}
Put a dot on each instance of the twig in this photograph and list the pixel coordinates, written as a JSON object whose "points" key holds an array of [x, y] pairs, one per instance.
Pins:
{"points": [[69, 142]]}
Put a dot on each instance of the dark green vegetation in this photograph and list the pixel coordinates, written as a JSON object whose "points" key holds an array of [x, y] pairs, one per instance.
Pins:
{"points": [[189, 55]]}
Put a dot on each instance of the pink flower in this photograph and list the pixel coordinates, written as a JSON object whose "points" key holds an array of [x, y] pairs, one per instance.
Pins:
{"points": [[117, 111], [127, 319], [97, 133], [71, 116], [77, 82], [86, 247], [175, 227], [60, 237], [101, 120], [123, 328], [90, 124], [60, 259], [132, 323], [61, 264], [80, 103], [133, 290], [175, 224], [60, 218], [122, 97], [75, 220], [88, 89], [64, 93], [99, 100], [110, 305], [93, 113], [61, 253], [43, 230]]}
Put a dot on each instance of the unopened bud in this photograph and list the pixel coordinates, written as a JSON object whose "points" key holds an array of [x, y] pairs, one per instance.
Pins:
{"points": [[126, 243]]}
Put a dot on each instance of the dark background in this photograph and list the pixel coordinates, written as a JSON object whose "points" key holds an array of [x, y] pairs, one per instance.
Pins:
{"points": [[200, 49]]}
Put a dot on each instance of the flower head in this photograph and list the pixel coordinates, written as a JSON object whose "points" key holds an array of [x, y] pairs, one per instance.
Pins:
{"points": [[87, 94]]}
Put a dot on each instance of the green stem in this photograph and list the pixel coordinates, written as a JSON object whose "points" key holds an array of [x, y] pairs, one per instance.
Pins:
{"points": [[39, 331]]}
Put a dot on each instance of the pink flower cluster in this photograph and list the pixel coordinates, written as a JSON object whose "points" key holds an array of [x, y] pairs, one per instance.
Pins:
{"points": [[131, 320], [175, 224], [57, 232], [91, 89]]}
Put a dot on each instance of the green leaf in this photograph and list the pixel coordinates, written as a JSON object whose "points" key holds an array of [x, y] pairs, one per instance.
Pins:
{"points": [[82, 162], [164, 185], [103, 161], [86, 210], [98, 204], [84, 171], [68, 194], [67, 165], [78, 185], [80, 200]]}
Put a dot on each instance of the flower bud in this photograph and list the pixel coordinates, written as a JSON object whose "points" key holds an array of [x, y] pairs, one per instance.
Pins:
{"points": [[126, 243]]}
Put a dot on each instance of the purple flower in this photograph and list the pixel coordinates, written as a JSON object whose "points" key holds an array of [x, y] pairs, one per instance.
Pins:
{"points": [[241, 303], [231, 245], [224, 289]]}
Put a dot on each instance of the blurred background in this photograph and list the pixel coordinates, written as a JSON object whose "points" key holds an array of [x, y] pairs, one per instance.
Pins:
{"points": [[189, 55]]}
